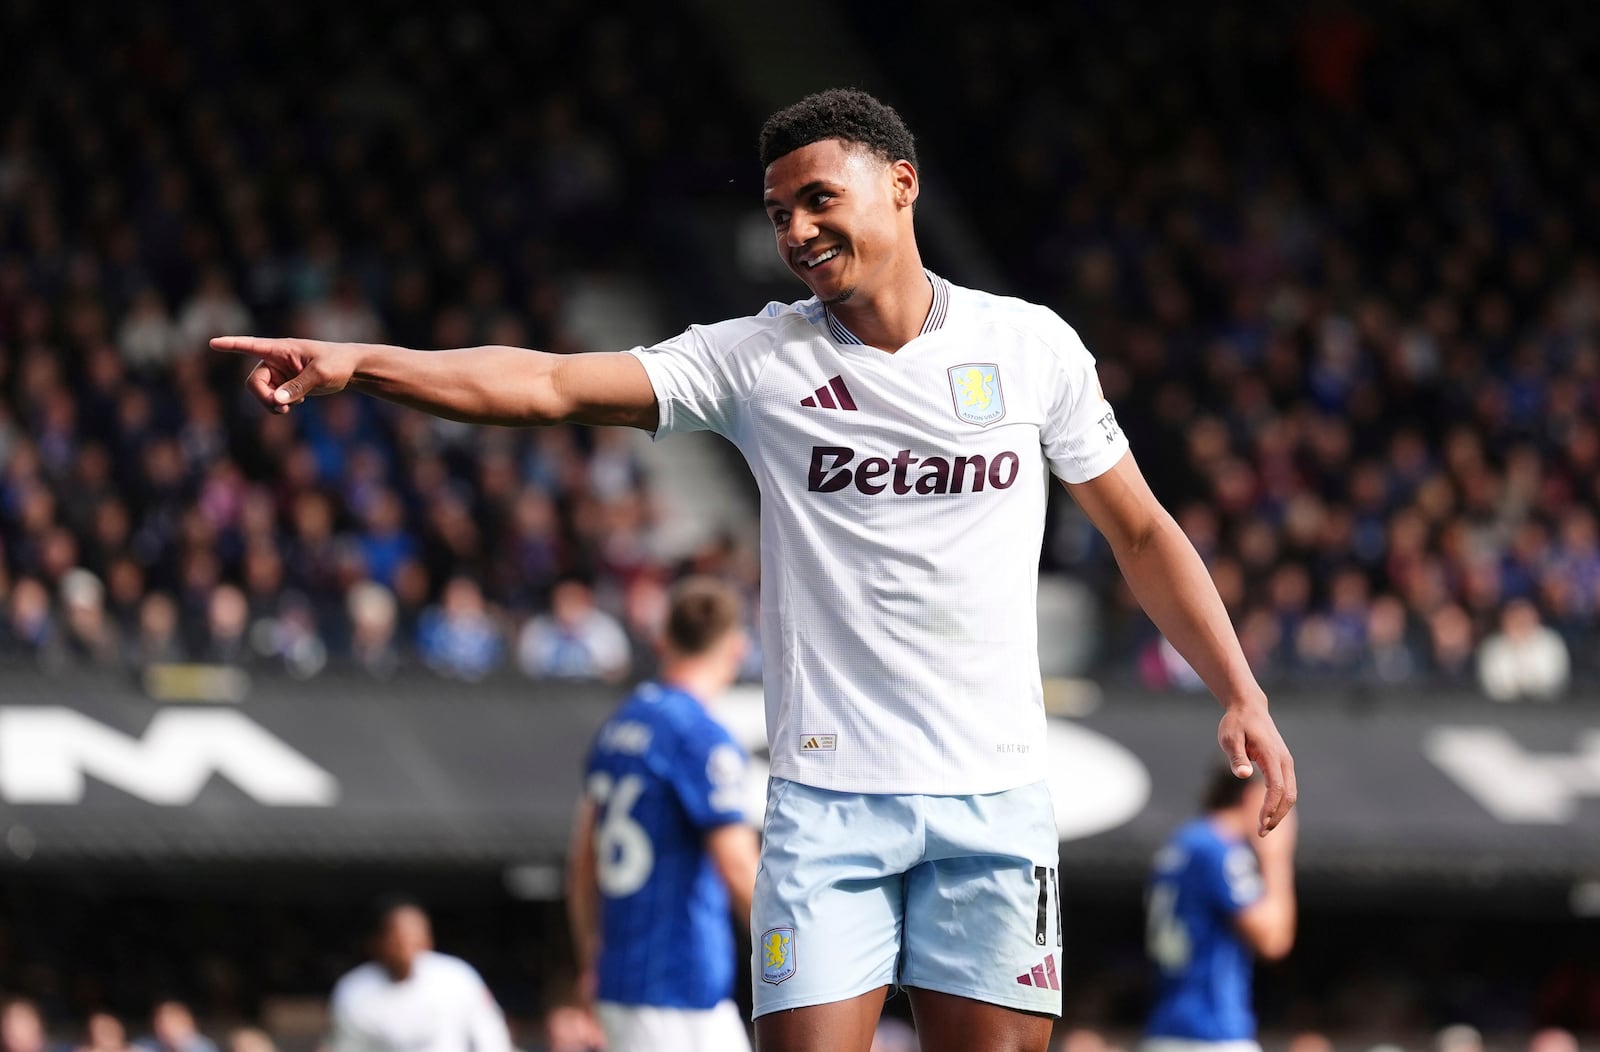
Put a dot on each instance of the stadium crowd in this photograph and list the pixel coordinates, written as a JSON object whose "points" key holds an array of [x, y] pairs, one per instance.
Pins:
{"points": [[1338, 267], [1350, 323], [168, 195]]}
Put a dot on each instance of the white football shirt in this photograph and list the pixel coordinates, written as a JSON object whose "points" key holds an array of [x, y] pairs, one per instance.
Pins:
{"points": [[443, 1006], [902, 511]]}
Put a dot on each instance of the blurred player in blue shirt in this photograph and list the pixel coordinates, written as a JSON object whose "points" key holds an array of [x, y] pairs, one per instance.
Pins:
{"points": [[661, 851], [1218, 897]]}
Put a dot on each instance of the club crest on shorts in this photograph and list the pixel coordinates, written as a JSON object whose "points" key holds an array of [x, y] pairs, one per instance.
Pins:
{"points": [[777, 955], [975, 388]]}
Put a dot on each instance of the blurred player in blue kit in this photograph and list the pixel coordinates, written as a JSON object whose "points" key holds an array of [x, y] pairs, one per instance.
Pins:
{"points": [[661, 850], [1214, 903], [903, 431]]}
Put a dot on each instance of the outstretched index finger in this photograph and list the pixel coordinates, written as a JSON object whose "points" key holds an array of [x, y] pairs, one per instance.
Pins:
{"points": [[273, 352], [272, 381]]}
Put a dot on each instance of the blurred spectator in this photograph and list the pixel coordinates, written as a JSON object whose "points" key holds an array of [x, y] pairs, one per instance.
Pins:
{"points": [[644, 613], [292, 638], [576, 640], [104, 1032], [148, 339], [30, 628], [374, 639], [1524, 660], [385, 544], [1391, 657], [250, 1039], [1309, 1041], [212, 309], [614, 471], [157, 641], [172, 1029], [91, 637], [343, 317], [1458, 1037], [1450, 630], [1553, 1039], [460, 637], [532, 546], [227, 627], [22, 1027]]}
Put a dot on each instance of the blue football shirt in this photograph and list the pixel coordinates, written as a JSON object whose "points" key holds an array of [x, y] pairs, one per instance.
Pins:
{"points": [[1198, 884], [663, 773]]}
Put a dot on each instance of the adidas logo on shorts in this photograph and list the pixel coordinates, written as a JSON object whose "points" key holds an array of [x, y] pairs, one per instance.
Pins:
{"points": [[1041, 975]]}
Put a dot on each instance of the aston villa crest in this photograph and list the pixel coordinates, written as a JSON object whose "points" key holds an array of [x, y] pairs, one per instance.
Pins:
{"points": [[975, 389], [777, 955]]}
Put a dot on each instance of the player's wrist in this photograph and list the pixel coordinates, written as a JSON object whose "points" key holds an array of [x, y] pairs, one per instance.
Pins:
{"points": [[364, 361], [1243, 701]]}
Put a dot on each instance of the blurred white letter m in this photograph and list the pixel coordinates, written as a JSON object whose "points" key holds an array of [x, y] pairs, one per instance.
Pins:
{"points": [[46, 750]]}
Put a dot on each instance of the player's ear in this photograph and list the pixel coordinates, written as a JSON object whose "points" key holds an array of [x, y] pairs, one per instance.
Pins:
{"points": [[904, 183]]}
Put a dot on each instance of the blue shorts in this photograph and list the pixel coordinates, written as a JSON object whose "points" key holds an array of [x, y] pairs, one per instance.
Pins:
{"points": [[956, 894]]}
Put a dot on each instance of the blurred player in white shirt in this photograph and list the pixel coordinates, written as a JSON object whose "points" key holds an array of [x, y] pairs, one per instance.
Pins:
{"points": [[902, 430], [410, 998]]}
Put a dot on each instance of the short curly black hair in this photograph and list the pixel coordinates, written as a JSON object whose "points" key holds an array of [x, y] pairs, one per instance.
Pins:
{"points": [[847, 114]]}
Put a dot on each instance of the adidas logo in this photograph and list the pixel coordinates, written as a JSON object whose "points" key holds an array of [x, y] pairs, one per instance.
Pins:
{"points": [[1041, 975], [819, 743], [831, 395]]}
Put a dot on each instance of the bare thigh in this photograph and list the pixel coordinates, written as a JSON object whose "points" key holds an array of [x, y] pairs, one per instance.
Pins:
{"points": [[838, 1026], [948, 1023]]}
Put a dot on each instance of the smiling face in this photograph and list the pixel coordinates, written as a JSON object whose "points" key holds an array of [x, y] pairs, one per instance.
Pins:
{"points": [[842, 217]]}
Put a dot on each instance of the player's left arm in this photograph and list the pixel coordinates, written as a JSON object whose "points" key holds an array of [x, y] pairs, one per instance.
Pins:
{"points": [[1268, 923], [583, 897], [347, 1036], [1172, 584], [735, 853]]}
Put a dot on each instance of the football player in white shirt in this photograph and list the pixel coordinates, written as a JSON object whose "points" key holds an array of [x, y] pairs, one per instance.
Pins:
{"points": [[409, 998], [902, 431]]}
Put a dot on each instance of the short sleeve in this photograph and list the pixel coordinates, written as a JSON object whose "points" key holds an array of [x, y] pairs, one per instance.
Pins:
{"points": [[708, 774], [696, 379], [1238, 878], [1080, 436]]}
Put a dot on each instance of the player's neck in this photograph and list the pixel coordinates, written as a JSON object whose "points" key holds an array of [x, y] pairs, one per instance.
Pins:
{"points": [[399, 972], [701, 680], [893, 316], [1234, 824]]}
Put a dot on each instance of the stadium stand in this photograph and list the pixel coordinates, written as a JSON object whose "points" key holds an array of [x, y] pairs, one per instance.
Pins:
{"points": [[383, 187], [1350, 320]]}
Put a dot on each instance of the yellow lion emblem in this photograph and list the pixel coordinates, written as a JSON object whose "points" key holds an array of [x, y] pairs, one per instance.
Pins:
{"points": [[974, 388], [777, 949]]}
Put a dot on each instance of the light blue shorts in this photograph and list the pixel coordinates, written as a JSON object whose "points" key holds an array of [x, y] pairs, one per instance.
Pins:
{"points": [[956, 894]]}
